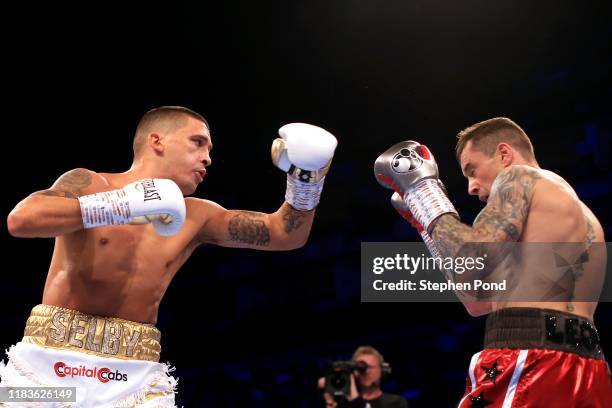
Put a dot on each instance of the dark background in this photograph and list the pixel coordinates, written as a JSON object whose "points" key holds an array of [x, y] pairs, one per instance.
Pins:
{"points": [[247, 328]]}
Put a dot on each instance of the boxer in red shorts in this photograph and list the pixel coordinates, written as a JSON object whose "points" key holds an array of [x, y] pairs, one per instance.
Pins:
{"points": [[536, 353]]}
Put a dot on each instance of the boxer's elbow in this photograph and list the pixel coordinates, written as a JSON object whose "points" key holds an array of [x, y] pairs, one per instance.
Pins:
{"points": [[291, 243], [300, 239], [299, 243], [17, 224], [288, 235], [26, 219]]}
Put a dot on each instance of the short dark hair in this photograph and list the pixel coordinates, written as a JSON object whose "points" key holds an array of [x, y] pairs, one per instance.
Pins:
{"points": [[486, 135], [168, 118]]}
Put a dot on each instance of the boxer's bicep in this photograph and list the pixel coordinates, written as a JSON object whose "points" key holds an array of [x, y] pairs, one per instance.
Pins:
{"points": [[502, 220], [69, 185], [233, 228], [283, 230], [248, 229]]}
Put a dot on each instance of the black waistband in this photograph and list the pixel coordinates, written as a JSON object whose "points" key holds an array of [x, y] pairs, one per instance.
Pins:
{"points": [[527, 328]]}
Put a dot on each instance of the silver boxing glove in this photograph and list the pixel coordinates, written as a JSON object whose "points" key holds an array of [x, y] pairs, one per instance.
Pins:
{"points": [[400, 206], [410, 169]]}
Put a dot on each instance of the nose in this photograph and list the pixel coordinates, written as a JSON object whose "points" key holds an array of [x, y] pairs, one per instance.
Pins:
{"points": [[207, 161], [472, 187]]}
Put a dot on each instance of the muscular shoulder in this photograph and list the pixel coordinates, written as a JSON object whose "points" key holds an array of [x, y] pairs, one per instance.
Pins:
{"points": [[554, 192], [72, 184], [516, 177], [555, 197], [514, 186]]}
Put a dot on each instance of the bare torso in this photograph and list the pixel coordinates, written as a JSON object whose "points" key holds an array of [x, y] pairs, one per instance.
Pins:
{"points": [[120, 271], [557, 215]]}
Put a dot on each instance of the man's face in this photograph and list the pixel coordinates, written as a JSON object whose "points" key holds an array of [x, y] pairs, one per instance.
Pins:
{"points": [[187, 154], [480, 170], [372, 375]]}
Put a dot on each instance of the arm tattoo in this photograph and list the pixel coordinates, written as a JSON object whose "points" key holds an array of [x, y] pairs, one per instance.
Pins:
{"points": [[69, 185], [56, 193], [577, 267], [590, 236], [249, 228], [503, 218], [292, 218]]}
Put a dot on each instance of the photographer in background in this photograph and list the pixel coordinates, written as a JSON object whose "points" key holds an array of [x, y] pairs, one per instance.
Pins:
{"points": [[364, 373]]}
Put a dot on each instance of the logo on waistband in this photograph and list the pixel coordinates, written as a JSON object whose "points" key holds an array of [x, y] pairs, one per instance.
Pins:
{"points": [[82, 331], [104, 374]]}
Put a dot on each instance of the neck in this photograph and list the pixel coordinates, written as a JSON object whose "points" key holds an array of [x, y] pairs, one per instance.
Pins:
{"points": [[371, 394], [144, 169], [523, 162], [532, 164]]}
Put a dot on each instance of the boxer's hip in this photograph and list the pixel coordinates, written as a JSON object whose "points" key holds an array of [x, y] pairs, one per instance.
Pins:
{"points": [[109, 361], [538, 357], [532, 328], [66, 329]]}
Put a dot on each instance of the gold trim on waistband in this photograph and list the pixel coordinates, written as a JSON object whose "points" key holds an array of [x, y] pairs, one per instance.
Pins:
{"points": [[57, 327]]}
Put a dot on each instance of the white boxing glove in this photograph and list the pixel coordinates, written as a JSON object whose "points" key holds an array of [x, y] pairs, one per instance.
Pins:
{"points": [[158, 201], [304, 152]]}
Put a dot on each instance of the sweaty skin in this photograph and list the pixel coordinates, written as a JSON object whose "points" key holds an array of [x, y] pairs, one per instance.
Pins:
{"points": [[123, 271], [528, 204]]}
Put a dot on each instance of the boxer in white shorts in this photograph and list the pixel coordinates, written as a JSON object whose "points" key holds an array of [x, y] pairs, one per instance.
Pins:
{"points": [[119, 240]]}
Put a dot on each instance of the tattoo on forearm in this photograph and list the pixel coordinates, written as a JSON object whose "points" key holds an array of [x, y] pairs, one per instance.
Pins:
{"points": [[449, 235], [69, 185], [501, 220], [292, 218], [248, 227]]}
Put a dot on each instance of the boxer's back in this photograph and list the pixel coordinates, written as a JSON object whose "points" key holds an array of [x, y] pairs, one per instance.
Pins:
{"points": [[119, 271], [556, 215]]}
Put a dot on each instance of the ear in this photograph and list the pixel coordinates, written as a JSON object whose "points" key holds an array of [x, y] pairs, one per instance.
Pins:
{"points": [[506, 153], [154, 140]]}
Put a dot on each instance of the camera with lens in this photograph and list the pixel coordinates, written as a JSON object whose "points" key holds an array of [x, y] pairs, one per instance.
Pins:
{"points": [[338, 376]]}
